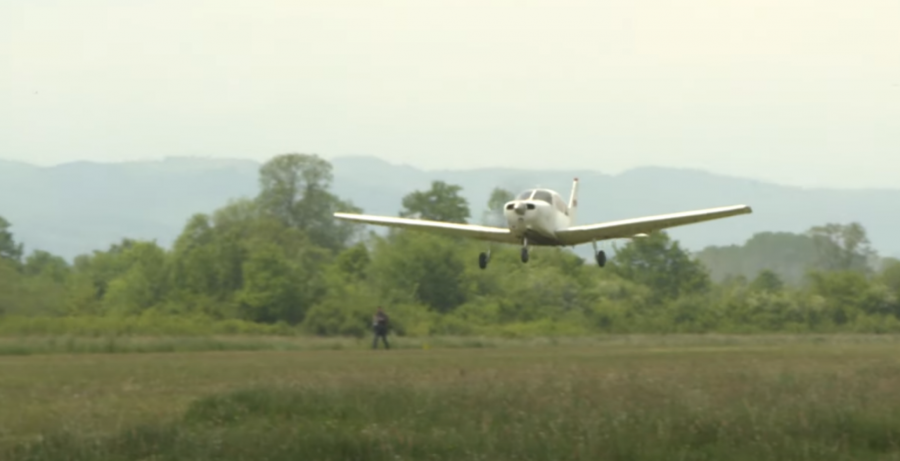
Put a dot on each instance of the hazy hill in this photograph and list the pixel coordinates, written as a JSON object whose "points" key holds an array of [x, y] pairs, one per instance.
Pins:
{"points": [[78, 207]]}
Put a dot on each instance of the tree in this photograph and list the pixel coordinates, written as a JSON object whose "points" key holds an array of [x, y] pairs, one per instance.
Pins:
{"points": [[233, 225], [197, 270], [346, 307], [9, 250], [11, 287], [294, 188], [281, 273], [767, 281], [846, 293], [890, 276], [787, 255], [102, 267], [539, 291], [420, 267], [141, 282], [346, 310], [353, 262], [245, 262], [440, 203], [271, 290], [842, 247], [43, 264], [493, 216], [661, 264]]}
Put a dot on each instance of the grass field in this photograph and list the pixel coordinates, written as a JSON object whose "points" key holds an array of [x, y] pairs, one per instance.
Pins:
{"points": [[624, 398]]}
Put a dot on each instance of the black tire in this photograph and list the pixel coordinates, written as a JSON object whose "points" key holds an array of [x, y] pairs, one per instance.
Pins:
{"points": [[524, 255], [482, 260], [601, 258]]}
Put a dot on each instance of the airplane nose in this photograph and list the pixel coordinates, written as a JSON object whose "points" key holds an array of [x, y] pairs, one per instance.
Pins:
{"points": [[520, 208]]}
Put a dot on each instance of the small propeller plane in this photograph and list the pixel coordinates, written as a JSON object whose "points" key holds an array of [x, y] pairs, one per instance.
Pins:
{"points": [[540, 217]]}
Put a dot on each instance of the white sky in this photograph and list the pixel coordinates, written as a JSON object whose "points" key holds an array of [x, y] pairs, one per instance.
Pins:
{"points": [[797, 92]]}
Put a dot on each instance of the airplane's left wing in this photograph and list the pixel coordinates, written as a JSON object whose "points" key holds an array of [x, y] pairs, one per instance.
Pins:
{"points": [[628, 228], [472, 231]]}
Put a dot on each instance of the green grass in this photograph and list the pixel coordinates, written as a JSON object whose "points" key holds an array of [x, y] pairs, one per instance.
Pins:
{"points": [[618, 398], [148, 324], [129, 344]]}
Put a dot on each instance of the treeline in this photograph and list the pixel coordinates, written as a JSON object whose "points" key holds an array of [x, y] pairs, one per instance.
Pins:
{"points": [[280, 262]]}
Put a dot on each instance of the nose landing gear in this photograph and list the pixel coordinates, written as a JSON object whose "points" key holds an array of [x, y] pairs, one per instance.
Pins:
{"points": [[483, 259], [525, 250]]}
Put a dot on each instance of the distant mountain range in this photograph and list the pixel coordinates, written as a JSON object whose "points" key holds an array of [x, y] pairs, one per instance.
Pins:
{"points": [[78, 207]]}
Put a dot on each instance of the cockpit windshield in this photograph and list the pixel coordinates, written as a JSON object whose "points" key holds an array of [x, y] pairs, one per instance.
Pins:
{"points": [[544, 196], [525, 195]]}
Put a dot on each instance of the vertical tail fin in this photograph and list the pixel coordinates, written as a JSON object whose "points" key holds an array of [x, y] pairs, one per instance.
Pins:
{"points": [[573, 202]]}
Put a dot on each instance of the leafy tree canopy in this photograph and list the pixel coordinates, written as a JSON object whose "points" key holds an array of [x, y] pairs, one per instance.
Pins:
{"points": [[294, 188], [842, 247], [442, 202], [661, 264]]}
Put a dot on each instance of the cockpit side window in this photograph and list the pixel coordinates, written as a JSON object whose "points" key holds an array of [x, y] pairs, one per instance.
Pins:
{"points": [[560, 204], [525, 195], [543, 196]]}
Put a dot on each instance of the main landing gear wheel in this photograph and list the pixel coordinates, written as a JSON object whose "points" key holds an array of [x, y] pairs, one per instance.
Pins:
{"points": [[483, 260], [601, 258], [524, 255]]}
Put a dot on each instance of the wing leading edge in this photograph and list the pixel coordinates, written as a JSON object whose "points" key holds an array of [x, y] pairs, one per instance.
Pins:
{"points": [[472, 231], [628, 228]]}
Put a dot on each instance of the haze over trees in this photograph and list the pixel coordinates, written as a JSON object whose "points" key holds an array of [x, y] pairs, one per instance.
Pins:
{"points": [[279, 260]]}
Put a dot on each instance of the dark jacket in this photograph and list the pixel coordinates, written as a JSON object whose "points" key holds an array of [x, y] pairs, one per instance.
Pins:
{"points": [[381, 322]]}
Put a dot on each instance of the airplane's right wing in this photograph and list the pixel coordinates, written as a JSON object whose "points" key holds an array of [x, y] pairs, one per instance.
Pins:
{"points": [[472, 231], [628, 228]]}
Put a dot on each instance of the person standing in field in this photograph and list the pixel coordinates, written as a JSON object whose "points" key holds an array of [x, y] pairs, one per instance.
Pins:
{"points": [[380, 325]]}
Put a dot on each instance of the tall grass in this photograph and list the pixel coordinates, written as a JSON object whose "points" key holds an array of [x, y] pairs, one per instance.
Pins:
{"points": [[630, 415]]}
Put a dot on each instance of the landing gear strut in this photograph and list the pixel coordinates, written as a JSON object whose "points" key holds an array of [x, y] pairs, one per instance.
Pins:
{"points": [[525, 250]]}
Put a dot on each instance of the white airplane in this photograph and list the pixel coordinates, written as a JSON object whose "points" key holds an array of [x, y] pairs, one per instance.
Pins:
{"points": [[540, 217]]}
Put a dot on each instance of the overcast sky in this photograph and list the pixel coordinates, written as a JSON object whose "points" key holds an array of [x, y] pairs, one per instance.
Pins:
{"points": [[797, 92]]}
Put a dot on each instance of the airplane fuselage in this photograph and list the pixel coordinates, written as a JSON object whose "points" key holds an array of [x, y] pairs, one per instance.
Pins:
{"points": [[535, 216]]}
